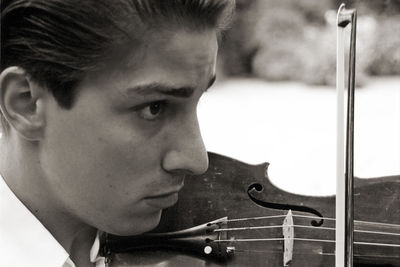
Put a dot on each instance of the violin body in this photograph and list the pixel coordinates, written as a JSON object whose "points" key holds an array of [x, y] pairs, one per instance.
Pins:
{"points": [[237, 190]]}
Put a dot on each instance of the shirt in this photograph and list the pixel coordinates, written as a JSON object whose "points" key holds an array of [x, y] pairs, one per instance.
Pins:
{"points": [[24, 241]]}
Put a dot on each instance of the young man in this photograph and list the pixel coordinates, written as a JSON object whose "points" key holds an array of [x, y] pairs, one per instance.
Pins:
{"points": [[98, 106]]}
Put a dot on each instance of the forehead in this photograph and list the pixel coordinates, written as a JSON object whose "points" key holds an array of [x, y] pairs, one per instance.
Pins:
{"points": [[180, 51], [177, 58], [192, 48]]}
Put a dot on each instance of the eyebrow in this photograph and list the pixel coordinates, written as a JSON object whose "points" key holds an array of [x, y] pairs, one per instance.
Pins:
{"points": [[181, 92]]}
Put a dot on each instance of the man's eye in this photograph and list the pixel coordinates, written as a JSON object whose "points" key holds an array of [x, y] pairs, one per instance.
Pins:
{"points": [[152, 111]]}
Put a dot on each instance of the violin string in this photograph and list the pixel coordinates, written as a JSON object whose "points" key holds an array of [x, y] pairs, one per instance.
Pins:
{"points": [[273, 251], [378, 244], [308, 217], [272, 239], [314, 217], [375, 256], [356, 221], [255, 218], [378, 223], [376, 232], [301, 239], [247, 228], [298, 226]]}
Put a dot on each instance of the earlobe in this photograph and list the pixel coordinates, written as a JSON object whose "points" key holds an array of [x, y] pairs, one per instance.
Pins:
{"points": [[22, 104]]}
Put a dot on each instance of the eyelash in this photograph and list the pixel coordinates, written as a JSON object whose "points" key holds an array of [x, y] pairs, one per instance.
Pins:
{"points": [[146, 111]]}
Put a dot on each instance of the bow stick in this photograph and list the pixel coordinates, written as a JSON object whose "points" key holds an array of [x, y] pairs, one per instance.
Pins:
{"points": [[345, 141]]}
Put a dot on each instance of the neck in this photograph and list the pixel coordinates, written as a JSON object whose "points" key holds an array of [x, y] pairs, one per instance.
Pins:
{"points": [[20, 168]]}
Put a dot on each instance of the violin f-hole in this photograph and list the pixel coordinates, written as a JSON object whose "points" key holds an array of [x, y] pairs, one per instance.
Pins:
{"points": [[257, 188]]}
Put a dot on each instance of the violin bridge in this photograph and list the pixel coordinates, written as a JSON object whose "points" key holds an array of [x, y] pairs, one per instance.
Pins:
{"points": [[288, 236]]}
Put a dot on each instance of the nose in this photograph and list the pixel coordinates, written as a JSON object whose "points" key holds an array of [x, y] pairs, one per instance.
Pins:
{"points": [[187, 152]]}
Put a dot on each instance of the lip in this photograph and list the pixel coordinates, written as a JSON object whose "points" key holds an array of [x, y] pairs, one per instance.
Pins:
{"points": [[162, 200]]}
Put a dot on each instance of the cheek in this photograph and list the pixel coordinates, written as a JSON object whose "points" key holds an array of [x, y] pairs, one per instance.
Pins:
{"points": [[101, 165]]}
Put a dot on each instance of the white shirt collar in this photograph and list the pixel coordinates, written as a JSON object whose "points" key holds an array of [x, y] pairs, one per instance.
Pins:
{"points": [[25, 241]]}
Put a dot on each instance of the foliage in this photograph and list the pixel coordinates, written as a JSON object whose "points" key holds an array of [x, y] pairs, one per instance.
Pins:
{"points": [[296, 40], [385, 57]]}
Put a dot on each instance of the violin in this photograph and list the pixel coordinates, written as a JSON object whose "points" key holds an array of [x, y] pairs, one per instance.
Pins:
{"points": [[254, 223], [234, 216]]}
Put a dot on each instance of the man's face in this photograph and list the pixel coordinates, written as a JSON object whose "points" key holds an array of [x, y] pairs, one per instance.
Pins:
{"points": [[118, 157]]}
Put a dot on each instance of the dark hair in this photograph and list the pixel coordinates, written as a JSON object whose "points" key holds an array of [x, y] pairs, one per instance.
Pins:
{"points": [[59, 41]]}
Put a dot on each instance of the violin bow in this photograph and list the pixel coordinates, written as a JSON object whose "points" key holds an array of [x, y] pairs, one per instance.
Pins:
{"points": [[345, 140]]}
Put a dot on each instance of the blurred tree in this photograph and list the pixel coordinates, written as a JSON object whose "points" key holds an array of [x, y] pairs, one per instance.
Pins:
{"points": [[382, 7], [296, 40], [385, 57], [237, 49]]}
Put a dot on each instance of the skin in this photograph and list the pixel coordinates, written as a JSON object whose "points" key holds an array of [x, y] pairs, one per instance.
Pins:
{"points": [[119, 156]]}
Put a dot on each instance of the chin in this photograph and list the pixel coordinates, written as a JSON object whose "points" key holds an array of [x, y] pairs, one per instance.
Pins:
{"points": [[136, 225]]}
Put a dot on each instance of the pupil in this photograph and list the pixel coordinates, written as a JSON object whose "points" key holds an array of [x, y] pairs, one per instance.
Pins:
{"points": [[154, 108]]}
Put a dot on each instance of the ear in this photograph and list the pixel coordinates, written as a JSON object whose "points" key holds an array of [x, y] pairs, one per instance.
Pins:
{"points": [[22, 103]]}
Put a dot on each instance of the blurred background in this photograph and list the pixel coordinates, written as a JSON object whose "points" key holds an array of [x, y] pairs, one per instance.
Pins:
{"points": [[295, 40], [275, 98]]}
